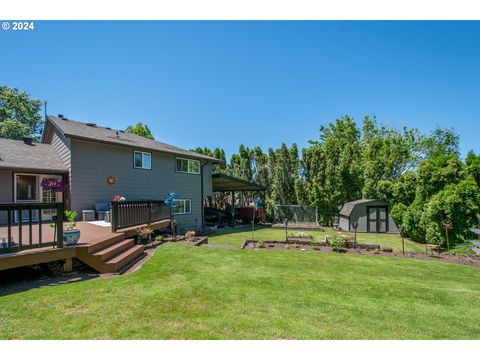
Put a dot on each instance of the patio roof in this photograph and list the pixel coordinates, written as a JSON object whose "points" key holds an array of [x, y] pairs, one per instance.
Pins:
{"points": [[222, 182]]}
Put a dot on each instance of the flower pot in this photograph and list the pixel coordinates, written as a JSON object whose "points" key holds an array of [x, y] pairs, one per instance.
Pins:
{"points": [[70, 237]]}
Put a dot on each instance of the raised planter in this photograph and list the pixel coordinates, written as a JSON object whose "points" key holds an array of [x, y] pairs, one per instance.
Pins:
{"points": [[299, 238], [194, 240]]}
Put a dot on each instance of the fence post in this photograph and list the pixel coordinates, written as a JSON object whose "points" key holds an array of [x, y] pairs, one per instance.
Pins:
{"points": [[60, 225]]}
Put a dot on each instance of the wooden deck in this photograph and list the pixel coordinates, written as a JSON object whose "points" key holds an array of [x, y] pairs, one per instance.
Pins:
{"points": [[89, 232], [95, 246]]}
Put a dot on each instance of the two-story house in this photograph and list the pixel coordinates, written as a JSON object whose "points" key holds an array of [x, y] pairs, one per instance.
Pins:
{"points": [[99, 163]]}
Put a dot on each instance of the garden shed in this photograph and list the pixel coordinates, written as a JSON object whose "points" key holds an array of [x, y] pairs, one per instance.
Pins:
{"points": [[370, 215]]}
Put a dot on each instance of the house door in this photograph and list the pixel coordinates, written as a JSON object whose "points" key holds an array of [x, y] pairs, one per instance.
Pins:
{"points": [[377, 219], [29, 190]]}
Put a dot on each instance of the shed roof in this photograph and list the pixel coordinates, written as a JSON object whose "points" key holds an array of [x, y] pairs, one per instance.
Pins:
{"points": [[348, 207], [93, 132], [222, 182], [15, 154]]}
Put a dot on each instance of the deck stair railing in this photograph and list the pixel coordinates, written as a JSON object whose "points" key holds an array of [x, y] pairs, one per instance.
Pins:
{"points": [[22, 226], [126, 214]]}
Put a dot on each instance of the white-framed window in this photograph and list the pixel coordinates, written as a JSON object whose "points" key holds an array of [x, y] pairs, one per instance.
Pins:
{"points": [[188, 166], [184, 206], [142, 160]]}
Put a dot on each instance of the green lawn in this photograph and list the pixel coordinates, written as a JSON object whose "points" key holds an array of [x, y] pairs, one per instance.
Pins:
{"points": [[186, 292], [237, 236]]}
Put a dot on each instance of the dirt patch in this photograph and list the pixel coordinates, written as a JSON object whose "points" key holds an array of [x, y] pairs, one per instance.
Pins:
{"points": [[364, 249]]}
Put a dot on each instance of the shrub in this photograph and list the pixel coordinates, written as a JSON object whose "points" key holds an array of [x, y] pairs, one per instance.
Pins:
{"points": [[159, 238], [261, 243], [336, 243]]}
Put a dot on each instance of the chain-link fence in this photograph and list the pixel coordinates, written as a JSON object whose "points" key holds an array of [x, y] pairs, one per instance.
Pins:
{"points": [[295, 214]]}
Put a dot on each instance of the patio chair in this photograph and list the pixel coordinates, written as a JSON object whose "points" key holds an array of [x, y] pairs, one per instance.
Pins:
{"points": [[103, 211]]}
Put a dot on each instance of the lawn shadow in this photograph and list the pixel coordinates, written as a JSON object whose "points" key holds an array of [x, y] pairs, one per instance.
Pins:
{"points": [[27, 278]]}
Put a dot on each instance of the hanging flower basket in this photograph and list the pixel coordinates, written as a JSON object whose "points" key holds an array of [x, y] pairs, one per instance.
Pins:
{"points": [[55, 185]]}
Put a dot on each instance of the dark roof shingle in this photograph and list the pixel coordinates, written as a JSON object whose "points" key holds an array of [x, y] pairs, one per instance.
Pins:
{"points": [[81, 130], [15, 154], [348, 207]]}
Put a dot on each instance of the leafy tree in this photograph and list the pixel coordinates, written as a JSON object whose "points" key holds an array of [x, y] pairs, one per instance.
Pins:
{"points": [[473, 166], [442, 142], [332, 168], [14, 129], [19, 114], [141, 130], [387, 154], [458, 203]]}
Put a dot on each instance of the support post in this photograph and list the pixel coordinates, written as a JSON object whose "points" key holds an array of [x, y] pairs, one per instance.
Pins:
{"points": [[59, 225], [68, 266]]}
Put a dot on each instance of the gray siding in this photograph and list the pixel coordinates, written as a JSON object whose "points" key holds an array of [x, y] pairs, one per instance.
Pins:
{"points": [[93, 162], [344, 223], [6, 190], [359, 214], [207, 180], [61, 146]]}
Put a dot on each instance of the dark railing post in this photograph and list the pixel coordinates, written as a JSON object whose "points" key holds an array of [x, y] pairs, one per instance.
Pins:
{"points": [[9, 229], [149, 212], [59, 234], [114, 219], [20, 230]]}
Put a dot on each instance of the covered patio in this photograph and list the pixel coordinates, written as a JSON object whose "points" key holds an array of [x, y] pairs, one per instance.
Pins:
{"points": [[234, 195]]}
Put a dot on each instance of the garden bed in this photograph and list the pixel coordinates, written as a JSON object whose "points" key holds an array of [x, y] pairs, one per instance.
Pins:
{"points": [[299, 237], [359, 248], [192, 240]]}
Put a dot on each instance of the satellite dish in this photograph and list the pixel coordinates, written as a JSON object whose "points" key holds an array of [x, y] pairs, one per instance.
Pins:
{"points": [[171, 199]]}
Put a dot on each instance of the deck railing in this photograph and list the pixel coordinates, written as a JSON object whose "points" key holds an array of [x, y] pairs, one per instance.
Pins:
{"points": [[126, 214], [21, 226]]}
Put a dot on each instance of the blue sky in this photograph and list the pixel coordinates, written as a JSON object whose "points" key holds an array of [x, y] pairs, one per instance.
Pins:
{"points": [[257, 83]]}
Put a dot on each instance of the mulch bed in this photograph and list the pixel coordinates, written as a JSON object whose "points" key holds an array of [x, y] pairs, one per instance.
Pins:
{"points": [[365, 249]]}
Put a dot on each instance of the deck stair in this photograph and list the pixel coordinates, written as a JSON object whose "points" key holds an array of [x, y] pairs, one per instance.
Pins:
{"points": [[111, 253]]}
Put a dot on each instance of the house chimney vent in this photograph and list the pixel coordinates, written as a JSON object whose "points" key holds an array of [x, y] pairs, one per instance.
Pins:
{"points": [[91, 124], [60, 116], [28, 140]]}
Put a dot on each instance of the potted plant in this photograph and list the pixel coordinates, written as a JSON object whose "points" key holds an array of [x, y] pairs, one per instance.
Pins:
{"points": [[144, 234], [70, 234], [55, 185]]}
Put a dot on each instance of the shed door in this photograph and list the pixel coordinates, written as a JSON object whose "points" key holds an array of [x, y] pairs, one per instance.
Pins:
{"points": [[377, 219]]}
